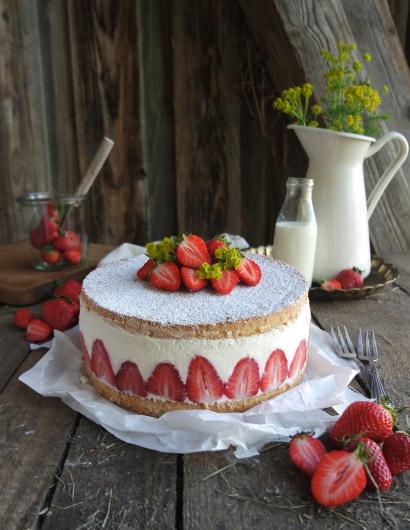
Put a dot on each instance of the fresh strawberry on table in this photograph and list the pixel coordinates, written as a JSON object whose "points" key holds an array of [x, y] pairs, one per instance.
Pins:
{"points": [[396, 450], [378, 472], [22, 317], [192, 251], [306, 452], [350, 278], [38, 331], [58, 313], [365, 418], [69, 289], [331, 285], [340, 477]]}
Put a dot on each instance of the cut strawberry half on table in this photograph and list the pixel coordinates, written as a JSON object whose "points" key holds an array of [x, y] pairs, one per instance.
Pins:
{"points": [[276, 371], [100, 363], [306, 452], [166, 382], [22, 317], [226, 283], [191, 279], [86, 355], [249, 272], [192, 251], [299, 360], [38, 331], [144, 273], [203, 382], [244, 381], [339, 478], [166, 276], [129, 379], [331, 285]]}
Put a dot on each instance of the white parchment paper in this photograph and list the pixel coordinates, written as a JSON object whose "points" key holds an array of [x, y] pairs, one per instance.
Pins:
{"points": [[61, 373]]}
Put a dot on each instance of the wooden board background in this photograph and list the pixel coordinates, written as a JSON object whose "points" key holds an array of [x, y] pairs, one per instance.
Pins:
{"points": [[185, 90]]}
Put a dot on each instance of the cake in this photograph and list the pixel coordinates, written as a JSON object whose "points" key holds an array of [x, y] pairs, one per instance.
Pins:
{"points": [[153, 351]]}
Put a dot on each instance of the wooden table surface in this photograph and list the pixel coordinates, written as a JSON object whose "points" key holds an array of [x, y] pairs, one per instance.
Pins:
{"points": [[60, 471]]}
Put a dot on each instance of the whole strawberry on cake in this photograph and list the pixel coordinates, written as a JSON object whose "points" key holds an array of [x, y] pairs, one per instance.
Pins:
{"points": [[194, 325]]}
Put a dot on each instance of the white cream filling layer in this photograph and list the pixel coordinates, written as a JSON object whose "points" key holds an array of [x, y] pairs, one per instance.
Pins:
{"points": [[223, 354]]}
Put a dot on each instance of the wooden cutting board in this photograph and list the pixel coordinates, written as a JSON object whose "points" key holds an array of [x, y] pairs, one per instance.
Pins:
{"points": [[21, 284]]}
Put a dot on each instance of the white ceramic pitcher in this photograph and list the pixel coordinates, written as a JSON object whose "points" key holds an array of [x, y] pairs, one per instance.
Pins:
{"points": [[339, 197]]}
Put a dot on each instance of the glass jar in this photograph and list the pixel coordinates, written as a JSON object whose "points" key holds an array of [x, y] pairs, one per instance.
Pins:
{"points": [[56, 229], [296, 229]]}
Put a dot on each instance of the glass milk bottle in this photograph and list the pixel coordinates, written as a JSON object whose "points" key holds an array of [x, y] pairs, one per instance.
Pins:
{"points": [[296, 228]]}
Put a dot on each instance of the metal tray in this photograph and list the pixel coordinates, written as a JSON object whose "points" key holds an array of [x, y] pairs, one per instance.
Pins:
{"points": [[381, 274]]}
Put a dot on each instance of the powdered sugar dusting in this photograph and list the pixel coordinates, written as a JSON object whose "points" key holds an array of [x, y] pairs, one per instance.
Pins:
{"points": [[115, 288]]}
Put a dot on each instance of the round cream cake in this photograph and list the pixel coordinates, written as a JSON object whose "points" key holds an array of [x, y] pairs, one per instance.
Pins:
{"points": [[154, 351]]}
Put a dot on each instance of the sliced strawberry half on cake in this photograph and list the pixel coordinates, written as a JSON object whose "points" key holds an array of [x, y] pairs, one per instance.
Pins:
{"points": [[166, 276], [299, 359], [276, 371], [86, 355], [244, 381], [226, 283], [203, 382], [129, 379], [249, 272], [192, 251], [191, 280], [100, 363], [144, 273], [166, 382]]}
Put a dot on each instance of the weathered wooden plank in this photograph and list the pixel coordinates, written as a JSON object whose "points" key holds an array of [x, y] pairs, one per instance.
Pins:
{"points": [[23, 131], [206, 104], [11, 340], [156, 113], [109, 484], [104, 53], [33, 438]]}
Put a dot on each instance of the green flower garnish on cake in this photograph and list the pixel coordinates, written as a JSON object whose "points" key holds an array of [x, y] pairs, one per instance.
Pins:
{"points": [[162, 251], [229, 258], [210, 272]]}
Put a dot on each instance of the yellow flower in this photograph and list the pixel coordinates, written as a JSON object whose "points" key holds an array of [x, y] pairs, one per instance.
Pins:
{"points": [[278, 103], [307, 90], [316, 110], [349, 100], [349, 119], [353, 46], [357, 66], [313, 123], [367, 57], [385, 89]]}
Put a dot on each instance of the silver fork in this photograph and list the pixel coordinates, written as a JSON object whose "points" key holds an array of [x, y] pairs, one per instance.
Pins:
{"points": [[345, 349], [370, 354]]}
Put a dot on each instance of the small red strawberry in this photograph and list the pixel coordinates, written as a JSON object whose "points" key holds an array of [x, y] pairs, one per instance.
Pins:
{"points": [[331, 285], [339, 478], [50, 255], [203, 382], [244, 381], [144, 273], [276, 371], [366, 418], [306, 452], [100, 363], [226, 283], [215, 243], [72, 255], [67, 240], [58, 313], [166, 276], [86, 355], [249, 272], [36, 238], [299, 360], [129, 380], [22, 317], [191, 279], [350, 278], [38, 331], [396, 450], [165, 381], [52, 213], [69, 289], [376, 466], [192, 251]]}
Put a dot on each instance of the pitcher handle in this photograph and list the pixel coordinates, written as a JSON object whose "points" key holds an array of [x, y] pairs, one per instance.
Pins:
{"points": [[391, 170]]}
